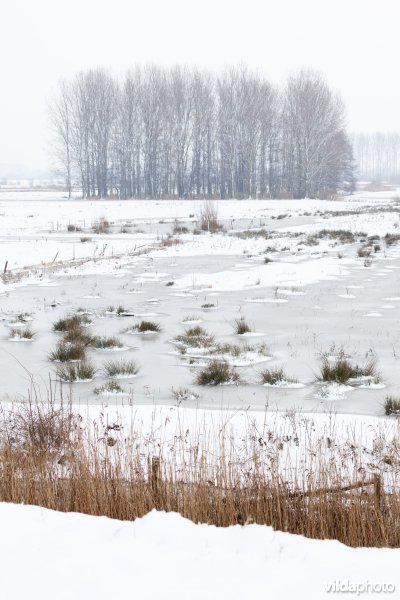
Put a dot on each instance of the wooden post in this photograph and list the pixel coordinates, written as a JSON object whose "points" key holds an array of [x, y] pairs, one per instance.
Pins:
{"points": [[378, 491], [5, 267], [155, 476]]}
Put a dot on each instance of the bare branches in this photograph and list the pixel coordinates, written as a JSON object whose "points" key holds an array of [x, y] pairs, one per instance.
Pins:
{"points": [[179, 132]]}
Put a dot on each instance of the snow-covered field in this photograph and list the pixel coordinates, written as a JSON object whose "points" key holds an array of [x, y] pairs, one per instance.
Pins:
{"points": [[162, 555], [303, 291]]}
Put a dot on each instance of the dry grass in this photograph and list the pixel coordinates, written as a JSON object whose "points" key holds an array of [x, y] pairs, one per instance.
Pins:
{"points": [[195, 337], [47, 459], [392, 406], [101, 226], [122, 368], [104, 342], [209, 217], [66, 352], [81, 371], [275, 376], [241, 326], [73, 323], [341, 370], [217, 372], [391, 238], [168, 242], [147, 327], [109, 388], [22, 334]]}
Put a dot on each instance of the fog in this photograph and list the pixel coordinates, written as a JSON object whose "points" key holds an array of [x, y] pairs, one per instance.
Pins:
{"points": [[355, 44]]}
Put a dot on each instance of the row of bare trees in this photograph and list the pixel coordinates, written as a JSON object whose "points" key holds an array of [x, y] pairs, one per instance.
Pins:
{"points": [[180, 132], [378, 156]]}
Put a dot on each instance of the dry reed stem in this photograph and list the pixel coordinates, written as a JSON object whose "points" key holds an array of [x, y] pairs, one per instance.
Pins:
{"points": [[48, 458]]}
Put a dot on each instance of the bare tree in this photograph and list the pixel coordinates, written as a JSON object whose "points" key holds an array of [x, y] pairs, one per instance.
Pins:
{"points": [[184, 133], [60, 110]]}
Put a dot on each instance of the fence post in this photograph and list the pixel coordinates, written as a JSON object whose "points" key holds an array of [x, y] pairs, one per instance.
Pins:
{"points": [[378, 491], [155, 477]]}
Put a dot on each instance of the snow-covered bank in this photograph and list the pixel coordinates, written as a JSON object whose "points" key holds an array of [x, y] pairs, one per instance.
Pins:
{"points": [[47, 555]]}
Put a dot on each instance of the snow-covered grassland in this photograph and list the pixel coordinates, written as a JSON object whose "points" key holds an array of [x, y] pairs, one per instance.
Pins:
{"points": [[163, 555], [316, 283]]}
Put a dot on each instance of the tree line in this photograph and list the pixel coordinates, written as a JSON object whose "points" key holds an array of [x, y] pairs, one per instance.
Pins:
{"points": [[185, 133], [378, 156]]}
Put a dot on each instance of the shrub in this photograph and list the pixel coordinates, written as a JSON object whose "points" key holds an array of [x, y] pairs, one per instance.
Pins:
{"points": [[344, 236], [241, 326], [208, 305], [42, 430], [120, 367], [179, 229], [364, 252], [101, 226], [311, 240], [209, 217], [391, 238], [71, 227], [392, 406], [217, 372]]}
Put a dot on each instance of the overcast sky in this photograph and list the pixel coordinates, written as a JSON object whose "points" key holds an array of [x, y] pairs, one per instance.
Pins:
{"points": [[355, 43]]}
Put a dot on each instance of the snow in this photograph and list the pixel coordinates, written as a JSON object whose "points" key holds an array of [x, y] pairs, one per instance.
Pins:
{"points": [[300, 303], [47, 555], [300, 300]]}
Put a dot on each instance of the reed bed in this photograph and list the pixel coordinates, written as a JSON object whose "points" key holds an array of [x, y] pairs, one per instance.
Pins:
{"points": [[49, 456]]}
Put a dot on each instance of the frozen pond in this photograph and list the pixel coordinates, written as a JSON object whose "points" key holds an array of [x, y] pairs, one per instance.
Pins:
{"points": [[314, 294]]}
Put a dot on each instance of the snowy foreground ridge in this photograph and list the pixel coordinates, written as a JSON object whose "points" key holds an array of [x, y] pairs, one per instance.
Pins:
{"points": [[49, 555]]}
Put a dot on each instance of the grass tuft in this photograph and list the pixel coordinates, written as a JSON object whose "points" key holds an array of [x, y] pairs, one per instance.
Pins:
{"points": [[195, 337], [184, 394], [22, 334], [147, 326], [241, 326], [110, 387], [341, 370], [217, 372], [392, 406], [115, 368], [66, 352], [274, 376], [82, 371], [104, 342]]}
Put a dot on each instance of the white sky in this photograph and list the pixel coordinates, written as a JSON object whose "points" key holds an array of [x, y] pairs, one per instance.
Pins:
{"points": [[355, 43]]}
